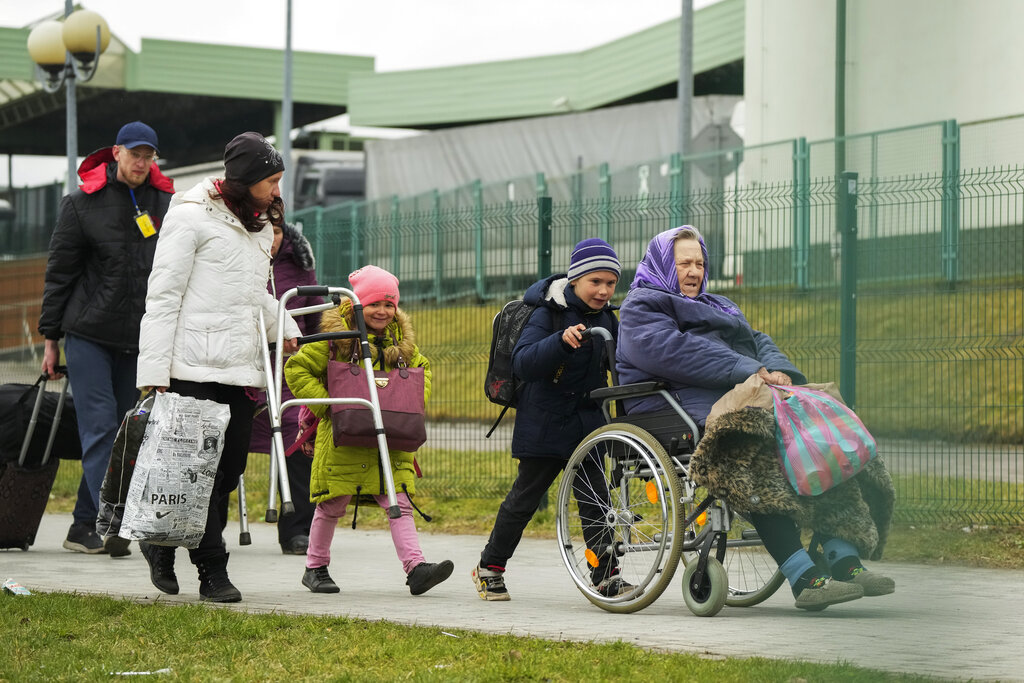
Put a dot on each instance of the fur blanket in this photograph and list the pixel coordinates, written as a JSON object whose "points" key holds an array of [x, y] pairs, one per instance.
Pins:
{"points": [[738, 461]]}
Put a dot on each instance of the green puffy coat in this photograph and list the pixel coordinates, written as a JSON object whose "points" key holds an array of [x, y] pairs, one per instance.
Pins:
{"points": [[350, 470]]}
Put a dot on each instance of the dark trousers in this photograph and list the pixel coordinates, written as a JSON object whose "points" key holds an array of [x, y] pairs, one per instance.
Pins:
{"points": [[531, 485], [232, 459], [781, 535], [300, 467], [103, 384]]}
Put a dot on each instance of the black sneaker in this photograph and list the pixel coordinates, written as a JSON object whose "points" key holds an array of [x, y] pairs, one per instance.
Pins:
{"points": [[296, 545], [614, 586], [425, 576], [319, 580], [117, 546], [490, 584], [161, 566], [82, 538]]}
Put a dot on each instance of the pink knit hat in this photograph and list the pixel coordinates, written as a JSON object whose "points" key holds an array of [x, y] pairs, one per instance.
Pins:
{"points": [[372, 284]]}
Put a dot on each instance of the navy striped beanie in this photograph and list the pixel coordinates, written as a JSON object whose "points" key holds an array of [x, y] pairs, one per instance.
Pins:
{"points": [[591, 255]]}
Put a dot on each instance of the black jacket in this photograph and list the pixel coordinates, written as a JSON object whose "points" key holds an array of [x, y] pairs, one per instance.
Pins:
{"points": [[99, 262], [552, 417]]}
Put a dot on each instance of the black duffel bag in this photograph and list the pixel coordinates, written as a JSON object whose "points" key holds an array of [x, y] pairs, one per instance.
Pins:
{"points": [[16, 403]]}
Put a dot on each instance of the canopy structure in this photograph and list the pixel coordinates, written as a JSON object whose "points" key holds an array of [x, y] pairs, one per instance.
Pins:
{"points": [[196, 96]]}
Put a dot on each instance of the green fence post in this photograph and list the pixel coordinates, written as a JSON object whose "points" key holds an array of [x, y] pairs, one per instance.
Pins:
{"points": [[950, 201], [541, 185], [577, 207], [355, 260], [318, 241], [801, 212], [543, 262], [478, 237], [604, 183], [543, 237], [675, 174], [435, 223], [396, 236], [510, 232], [847, 226]]}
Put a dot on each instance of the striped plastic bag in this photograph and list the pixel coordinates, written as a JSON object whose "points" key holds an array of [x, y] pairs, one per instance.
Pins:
{"points": [[821, 441]]}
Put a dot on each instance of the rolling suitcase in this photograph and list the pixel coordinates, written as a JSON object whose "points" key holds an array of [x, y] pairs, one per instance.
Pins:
{"points": [[25, 483]]}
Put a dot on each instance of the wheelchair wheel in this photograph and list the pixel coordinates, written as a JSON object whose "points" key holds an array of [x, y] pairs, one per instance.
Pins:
{"points": [[638, 520], [707, 598], [753, 575]]}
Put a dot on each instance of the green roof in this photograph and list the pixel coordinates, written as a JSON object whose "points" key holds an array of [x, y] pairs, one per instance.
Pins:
{"points": [[247, 72], [553, 84]]}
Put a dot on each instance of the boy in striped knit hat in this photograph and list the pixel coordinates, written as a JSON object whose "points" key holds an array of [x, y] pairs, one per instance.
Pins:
{"points": [[554, 411]]}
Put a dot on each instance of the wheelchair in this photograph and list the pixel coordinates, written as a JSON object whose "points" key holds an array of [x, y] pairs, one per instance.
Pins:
{"points": [[654, 515]]}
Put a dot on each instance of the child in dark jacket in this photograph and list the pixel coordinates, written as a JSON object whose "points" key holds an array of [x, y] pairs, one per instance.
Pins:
{"points": [[554, 411]]}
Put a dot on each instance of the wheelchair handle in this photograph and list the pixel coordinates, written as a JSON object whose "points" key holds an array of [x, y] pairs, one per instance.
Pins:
{"points": [[599, 331], [609, 345]]}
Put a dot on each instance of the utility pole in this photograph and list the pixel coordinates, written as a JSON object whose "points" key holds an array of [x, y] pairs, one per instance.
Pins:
{"points": [[685, 90], [284, 141], [840, 100]]}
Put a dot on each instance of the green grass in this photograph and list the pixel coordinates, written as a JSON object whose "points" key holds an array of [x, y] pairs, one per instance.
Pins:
{"points": [[61, 637]]}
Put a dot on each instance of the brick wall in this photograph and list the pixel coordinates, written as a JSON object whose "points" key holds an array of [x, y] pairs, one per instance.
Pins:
{"points": [[21, 293]]}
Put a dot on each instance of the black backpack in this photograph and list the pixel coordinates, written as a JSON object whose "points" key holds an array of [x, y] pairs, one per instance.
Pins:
{"points": [[501, 386]]}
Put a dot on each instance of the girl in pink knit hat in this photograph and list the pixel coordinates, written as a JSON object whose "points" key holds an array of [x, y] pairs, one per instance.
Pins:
{"points": [[341, 473]]}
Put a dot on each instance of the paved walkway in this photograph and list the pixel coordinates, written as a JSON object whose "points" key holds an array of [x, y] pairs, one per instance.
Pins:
{"points": [[947, 622]]}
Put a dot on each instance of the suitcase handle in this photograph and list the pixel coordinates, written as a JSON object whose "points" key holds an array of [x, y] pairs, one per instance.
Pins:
{"points": [[58, 413]]}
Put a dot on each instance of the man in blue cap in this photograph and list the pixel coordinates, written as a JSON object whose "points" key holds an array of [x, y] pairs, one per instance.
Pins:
{"points": [[101, 252]]}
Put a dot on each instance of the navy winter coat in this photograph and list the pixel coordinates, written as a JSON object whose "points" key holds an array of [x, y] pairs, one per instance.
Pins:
{"points": [[701, 352], [553, 417]]}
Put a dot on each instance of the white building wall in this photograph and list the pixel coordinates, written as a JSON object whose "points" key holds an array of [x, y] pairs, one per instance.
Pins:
{"points": [[908, 62]]}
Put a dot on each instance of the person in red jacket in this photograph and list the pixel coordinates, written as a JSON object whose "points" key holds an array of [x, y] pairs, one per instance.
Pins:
{"points": [[101, 253]]}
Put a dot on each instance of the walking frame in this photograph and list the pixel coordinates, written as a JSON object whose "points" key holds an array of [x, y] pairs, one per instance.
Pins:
{"points": [[275, 407]]}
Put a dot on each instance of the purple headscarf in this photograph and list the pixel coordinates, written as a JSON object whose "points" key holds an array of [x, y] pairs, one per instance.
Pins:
{"points": [[657, 269]]}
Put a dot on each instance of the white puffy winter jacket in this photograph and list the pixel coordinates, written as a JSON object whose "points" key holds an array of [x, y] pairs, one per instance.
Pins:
{"points": [[208, 282]]}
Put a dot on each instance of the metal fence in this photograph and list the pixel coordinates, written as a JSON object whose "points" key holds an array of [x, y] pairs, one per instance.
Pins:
{"points": [[902, 279], [925, 333]]}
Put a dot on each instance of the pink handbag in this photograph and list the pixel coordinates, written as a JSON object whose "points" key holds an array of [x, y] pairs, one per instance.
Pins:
{"points": [[400, 393]]}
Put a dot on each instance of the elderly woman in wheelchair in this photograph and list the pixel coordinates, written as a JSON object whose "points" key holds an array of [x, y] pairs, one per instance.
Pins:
{"points": [[680, 350]]}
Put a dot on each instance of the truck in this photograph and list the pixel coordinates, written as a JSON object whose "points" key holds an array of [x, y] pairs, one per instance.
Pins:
{"points": [[321, 177]]}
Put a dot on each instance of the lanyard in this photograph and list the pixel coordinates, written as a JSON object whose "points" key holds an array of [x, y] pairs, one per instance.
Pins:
{"points": [[137, 209], [142, 218]]}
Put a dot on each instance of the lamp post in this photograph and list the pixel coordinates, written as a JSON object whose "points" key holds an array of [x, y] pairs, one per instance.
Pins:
{"points": [[66, 52]]}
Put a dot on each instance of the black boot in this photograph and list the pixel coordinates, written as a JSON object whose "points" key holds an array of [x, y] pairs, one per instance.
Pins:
{"points": [[161, 566], [425, 576], [214, 584]]}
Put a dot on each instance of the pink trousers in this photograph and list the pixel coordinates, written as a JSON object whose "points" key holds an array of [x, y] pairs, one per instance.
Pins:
{"points": [[325, 521]]}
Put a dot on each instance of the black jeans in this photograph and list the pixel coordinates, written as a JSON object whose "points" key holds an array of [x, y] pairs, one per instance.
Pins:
{"points": [[232, 459], [531, 485]]}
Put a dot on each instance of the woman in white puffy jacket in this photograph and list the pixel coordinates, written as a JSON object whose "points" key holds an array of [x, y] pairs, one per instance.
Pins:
{"points": [[200, 333]]}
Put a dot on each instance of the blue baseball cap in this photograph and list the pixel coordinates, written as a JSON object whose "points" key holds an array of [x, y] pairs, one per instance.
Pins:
{"points": [[136, 133]]}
